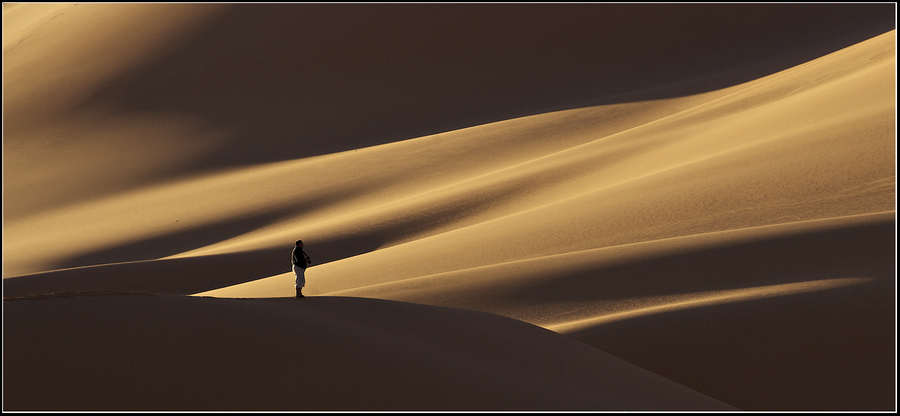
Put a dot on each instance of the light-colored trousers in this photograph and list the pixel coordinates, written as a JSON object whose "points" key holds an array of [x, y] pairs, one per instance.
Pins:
{"points": [[300, 281]]}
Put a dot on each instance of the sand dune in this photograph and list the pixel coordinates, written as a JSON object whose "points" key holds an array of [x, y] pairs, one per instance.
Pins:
{"points": [[765, 302], [696, 202], [328, 353]]}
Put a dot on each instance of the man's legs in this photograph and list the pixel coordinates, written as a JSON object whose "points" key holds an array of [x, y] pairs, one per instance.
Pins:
{"points": [[300, 281]]}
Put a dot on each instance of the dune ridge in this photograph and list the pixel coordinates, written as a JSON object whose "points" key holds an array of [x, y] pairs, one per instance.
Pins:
{"points": [[333, 353], [382, 172], [694, 300], [772, 174], [622, 210]]}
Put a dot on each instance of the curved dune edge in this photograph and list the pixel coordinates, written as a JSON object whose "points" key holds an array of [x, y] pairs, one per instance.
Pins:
{"points": [[521, 271], [324, 353], [787, 317], [826, 349], [696, 300], [629, 161], [704, 239]]}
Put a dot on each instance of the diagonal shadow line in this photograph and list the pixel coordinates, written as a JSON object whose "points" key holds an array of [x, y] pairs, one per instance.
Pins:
{"points": [[176, 242], [828, 349], [331, 78], [184, 275], [858, 250], [706, 299]]}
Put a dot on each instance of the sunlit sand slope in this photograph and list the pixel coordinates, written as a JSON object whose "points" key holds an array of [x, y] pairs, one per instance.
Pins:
{"points": [[813, 142], [140, 351], [792, 316], [146, 121], [711, 199]]}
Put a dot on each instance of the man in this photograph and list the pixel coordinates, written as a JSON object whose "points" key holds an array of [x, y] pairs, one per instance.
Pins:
{"points": [[300, 261]]}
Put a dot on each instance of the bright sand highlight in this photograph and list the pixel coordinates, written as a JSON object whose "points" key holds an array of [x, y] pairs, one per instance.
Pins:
{"points": [[728, 248]]}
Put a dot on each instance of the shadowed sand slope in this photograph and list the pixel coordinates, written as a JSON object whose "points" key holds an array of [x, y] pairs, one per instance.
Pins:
{"points": [[788, 317], [157, 91], [141, 351], [706, 192], [815, 141]]}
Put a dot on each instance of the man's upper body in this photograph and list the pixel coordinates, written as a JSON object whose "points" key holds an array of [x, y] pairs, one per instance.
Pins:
{"points": [[299, 257]]}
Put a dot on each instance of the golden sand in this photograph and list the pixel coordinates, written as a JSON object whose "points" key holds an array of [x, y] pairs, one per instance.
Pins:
{"points": [[519, 207]]}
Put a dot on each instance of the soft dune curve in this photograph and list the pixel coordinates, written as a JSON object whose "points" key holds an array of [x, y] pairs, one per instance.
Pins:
{"points": [[330, 353], [698, 199]]}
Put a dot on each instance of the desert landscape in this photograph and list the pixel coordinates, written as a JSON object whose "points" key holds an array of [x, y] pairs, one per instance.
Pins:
{"points": [[508, 207]]}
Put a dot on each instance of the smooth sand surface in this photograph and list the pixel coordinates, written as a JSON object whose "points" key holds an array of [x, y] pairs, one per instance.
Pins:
{"points": [[508, 207], [171, 352]]}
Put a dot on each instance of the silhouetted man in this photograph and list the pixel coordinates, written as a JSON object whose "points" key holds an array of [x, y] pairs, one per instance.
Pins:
{"points": [[300, 261]]}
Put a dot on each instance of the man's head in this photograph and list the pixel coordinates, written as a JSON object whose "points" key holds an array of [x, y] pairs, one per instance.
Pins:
{"points": [[299, 243]]}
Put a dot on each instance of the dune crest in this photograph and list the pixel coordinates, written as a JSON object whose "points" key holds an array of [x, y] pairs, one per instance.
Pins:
{"points": [[508, 207], [653, 181], [694, 300], [328, 353]]}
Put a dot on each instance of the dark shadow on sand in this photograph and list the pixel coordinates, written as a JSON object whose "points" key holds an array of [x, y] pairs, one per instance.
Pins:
{"points": [[187, 275], [299, 80], [829, 350]]}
